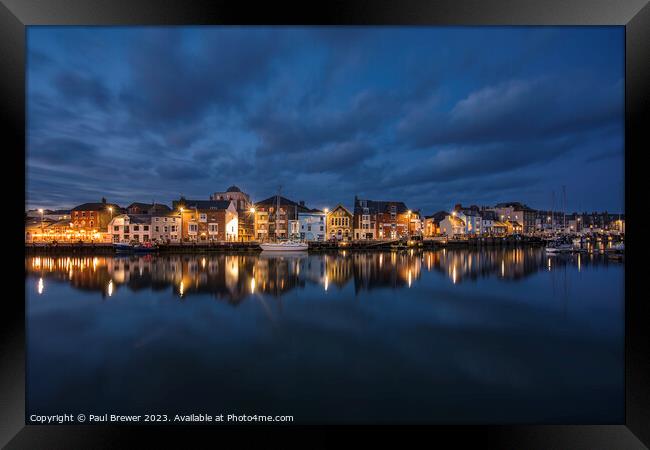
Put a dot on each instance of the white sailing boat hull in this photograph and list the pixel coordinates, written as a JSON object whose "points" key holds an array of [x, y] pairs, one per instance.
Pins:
{"points": [[284, 247]]}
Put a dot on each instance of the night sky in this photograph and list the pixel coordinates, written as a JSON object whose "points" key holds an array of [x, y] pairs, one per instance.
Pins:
{"points": [[428, 116]]}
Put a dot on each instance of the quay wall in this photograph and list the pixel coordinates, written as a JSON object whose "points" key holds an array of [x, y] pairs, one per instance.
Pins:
{"points": [[252, 247]]}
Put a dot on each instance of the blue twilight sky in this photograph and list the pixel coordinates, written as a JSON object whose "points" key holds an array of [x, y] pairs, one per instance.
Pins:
{"points": [[432, 116]]}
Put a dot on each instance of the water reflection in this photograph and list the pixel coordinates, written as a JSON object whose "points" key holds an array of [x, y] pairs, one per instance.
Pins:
{"points": [[463, 336], [234, 277]]}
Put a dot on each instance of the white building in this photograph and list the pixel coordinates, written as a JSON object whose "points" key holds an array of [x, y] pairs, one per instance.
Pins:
{"points": [[472, 221], [166, 228], [130, 228], [312, 225], [452, 226]]}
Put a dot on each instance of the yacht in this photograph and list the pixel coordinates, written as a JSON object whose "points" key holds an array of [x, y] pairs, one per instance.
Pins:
{"points": [[559, 246], [284, 246], [619, 247]]}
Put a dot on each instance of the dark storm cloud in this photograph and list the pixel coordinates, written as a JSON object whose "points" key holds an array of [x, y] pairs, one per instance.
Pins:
{"points": [[179, 171], [309, 129], [59, 151], [518, 109], [171, 84], [455, 163], [431, 116], [74, 87]]}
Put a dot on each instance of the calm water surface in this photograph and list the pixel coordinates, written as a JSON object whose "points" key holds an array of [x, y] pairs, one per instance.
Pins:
{"points": [[448, 336]]}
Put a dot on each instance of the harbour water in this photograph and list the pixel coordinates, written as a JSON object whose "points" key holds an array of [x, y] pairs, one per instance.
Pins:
{"points": [[508, 335]]}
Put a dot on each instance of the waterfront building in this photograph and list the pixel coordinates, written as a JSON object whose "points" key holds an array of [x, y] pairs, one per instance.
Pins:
{"points": [[207, 220], [517, 212], [415, 223], [513, 227], [166, 227], [471, 217], [382, 219], [339, 224], [147, 208], [48, 230], [90, 220], [271, 224], [431, 225], [393, 220], [245, 211], [128, 228], [491, 225], [365, 219], [452, 226], [312, 225]]}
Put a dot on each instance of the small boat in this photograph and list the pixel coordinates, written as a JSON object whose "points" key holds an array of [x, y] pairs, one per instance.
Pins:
{"points": [[559, 246], [145, 247], [287, 246], [122, 247], [619, 247]]}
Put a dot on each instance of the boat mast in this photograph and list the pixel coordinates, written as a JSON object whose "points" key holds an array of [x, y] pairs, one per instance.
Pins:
{"points": [[564, 206], [277, 213]]}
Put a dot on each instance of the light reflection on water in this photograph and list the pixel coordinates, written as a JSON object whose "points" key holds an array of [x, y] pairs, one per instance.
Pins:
{"points": [[429, 332]]}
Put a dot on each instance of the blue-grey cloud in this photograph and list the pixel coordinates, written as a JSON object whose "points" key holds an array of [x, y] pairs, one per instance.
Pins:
{"points": [[425, 115]]}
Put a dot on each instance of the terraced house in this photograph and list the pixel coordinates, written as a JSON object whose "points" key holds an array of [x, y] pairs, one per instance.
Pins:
{"points": [[90, 220], [130, 228], [207, 220], [272, 223], [339, 224]]}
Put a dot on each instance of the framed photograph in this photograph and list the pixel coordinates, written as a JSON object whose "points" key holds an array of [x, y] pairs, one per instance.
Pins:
{"points": [[361, 213]]}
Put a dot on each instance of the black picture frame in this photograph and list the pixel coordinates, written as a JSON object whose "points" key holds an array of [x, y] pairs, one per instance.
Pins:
{"points": [[15, 15]]}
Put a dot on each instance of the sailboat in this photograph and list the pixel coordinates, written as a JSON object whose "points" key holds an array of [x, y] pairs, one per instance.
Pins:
{"points": [[286, 245], [560, 245]]}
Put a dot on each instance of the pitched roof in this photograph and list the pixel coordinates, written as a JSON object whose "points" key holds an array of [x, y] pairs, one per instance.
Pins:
{"points": [[96, 207], [201, 204], [455, 220], [375, 206], [157, 207], [139, 218], [438, 216], [341, 207], [516, 205], [273, 200]]}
